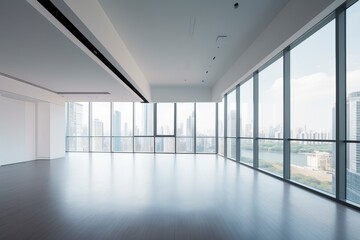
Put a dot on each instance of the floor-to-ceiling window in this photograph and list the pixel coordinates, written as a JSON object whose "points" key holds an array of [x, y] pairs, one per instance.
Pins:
{"points": [[205, 127], [353, 103], [144, 127], [313, 110], [141, 127], [231, 125], [185, 127], [246, 121], [122, 127], [100, 127], [165, 124], [77, 127], [271, 117], [298, 116], [221, 127]]}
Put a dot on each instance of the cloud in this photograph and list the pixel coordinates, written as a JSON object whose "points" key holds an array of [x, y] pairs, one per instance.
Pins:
{"points": [[353, 81], [313, 87]]}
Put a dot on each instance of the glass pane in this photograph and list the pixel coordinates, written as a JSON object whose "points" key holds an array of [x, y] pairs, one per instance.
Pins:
{"points": [[165, 118], [231, 148], [205, 119], [231, 114], [246, 151], [313, 164], [122, 144], [100, 119], [122, 119], [184, 145], [100, 144], [144, 119], [271, 100], [205, 145], [77, 144], [271, 156], [221, 118], [144, 144], [165, 144], [246, 109], [353, 71], [78, 119], [313, 85], [185, 119], [353, 102], [221, 146]]}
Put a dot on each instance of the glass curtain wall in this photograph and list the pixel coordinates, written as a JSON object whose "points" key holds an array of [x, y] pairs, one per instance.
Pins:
{"points": [[122, 127], [221, 127], [140, 127], [307, 122], [231, 125], [100, 126], [77, 127], [165, 124], [205, 127], [271, 118], [185, 127], [144, 127], [246, 122], [313, 98]]}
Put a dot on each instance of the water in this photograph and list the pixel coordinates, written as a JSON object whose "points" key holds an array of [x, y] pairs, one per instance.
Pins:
{"points": [[296, 158]]}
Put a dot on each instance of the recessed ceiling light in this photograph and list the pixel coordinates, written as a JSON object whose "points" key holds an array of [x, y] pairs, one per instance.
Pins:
{"points": [[236, 5]]}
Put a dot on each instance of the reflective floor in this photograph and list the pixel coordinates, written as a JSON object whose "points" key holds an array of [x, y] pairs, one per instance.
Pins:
{"points": [[146, 196]]}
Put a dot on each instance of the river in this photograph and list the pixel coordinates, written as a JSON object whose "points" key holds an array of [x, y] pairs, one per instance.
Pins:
{"points": [[296, 158]]}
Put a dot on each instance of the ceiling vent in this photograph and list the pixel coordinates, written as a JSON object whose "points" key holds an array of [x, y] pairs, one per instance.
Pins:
{"points": [[220, 40]]}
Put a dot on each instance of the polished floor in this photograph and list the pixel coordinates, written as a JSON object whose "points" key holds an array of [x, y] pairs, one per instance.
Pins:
{"points": [[146, 196]]}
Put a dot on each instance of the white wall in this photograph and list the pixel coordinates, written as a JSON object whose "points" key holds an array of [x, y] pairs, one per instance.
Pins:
{"points": [[32, 122], [30, 130], [17, 131], [57, 131], [43, 131], [50, 131]]}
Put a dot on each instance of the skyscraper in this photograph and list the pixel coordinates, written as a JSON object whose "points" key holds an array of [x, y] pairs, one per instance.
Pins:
{"points": [[353, 149], [75, 119], [98, 129], [354, 130], [117, 131], [76, 128]]}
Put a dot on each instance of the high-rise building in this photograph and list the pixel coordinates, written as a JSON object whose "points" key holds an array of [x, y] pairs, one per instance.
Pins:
{"points": [[354, 131], [353, 149], [75, 114], [117, 131], [75, 127], [98, 130]]}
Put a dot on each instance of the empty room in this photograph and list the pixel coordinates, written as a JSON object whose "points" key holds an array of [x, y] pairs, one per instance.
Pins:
{"points": [[169, 119]]}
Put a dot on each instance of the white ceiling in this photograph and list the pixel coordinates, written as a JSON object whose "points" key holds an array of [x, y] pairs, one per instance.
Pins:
{"points": [[163, 47], [174, 42], [34, 50]]}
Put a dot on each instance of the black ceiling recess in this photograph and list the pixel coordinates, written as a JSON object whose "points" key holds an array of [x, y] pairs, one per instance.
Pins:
{"points": [[53, 10]]}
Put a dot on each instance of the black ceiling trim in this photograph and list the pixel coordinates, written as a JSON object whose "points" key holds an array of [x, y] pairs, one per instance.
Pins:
{"points": [[53, 10]]}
